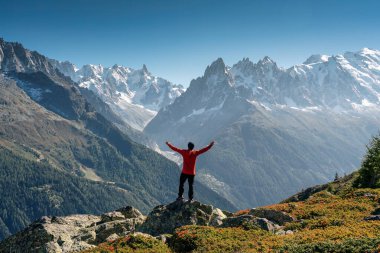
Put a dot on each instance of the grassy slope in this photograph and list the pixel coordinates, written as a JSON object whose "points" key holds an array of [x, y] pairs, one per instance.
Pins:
{"points": [[329, 220]]}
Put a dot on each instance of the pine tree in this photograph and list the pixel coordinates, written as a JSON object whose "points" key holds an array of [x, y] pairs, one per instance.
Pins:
{"points": [[336, 178], [369, 173]]}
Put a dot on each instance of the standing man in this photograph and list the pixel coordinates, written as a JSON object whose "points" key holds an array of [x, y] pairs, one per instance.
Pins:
{"points": [[188, 169]]}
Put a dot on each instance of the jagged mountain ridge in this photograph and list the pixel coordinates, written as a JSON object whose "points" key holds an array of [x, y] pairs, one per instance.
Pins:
{"points": [[340, 82], [343, 82], [135, 95]]}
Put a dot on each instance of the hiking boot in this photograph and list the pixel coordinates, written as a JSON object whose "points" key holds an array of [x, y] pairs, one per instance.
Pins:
{"points": [[180, 198]]}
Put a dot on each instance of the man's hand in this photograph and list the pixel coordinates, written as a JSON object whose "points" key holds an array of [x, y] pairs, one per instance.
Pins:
{"points": [[167, 143], [212, 143]]}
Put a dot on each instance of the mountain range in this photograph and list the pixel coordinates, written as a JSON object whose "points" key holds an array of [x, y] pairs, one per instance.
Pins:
{"points": [[135, 95]]}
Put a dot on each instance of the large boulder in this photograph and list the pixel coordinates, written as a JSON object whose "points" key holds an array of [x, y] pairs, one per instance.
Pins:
{"points": [[73, 233], [273, 215], [164, 219], [248, 222]]}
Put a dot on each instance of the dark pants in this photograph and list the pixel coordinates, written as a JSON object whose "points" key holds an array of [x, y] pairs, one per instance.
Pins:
{"points": [[182, 180]]}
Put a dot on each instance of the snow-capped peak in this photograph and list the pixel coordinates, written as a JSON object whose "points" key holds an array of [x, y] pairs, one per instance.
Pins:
{"points": [[323, 81], [316, 58], [368, 51], [266, 61], [90, 70], [135, 94]]}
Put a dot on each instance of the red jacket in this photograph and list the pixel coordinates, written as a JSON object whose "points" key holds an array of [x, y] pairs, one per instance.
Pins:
{"points": [[189, 158]]}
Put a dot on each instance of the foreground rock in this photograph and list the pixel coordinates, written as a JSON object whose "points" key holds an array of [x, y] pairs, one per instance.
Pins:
{"points": [[273, 215], [79, 232], [250, 221], [73, 233], [165, 219]]}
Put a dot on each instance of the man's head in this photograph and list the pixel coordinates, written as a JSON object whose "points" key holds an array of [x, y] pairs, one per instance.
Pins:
{"points": [[190, 145]]}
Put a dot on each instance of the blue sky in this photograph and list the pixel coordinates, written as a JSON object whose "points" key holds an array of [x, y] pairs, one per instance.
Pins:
{"points": [[177, 39]]}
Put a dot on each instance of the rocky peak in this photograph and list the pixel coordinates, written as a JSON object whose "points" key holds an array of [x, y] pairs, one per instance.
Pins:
{"points": [[216, 68], [15, 58], [145, 70], [245, 66], [91, 71], [267, 60], [266, 63]]}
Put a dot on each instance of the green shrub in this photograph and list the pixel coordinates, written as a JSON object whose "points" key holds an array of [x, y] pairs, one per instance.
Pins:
{"points": [[369, 173]]}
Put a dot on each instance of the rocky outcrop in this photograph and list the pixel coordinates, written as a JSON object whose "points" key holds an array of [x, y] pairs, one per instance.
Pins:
{"points": [[73, 233], [273, 215], [250, 221], [79, 232], [165, 219]]}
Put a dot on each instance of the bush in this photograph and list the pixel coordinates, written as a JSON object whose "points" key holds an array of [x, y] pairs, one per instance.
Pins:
{"points": [[369, 173]]}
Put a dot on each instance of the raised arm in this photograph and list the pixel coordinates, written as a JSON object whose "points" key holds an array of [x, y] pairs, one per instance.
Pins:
{"points": [[174, 148], [205, 149]]}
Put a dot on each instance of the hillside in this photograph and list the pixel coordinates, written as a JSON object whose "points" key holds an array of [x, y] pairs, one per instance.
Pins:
{"points": [[334, 217]]}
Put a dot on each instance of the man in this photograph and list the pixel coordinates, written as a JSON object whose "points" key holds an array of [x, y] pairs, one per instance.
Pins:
{"points": [[188, 168]]}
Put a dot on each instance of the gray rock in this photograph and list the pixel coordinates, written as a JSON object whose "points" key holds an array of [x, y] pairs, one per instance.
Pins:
{"points": [[266, 224], [131, 212], [372, 217], [111, 216], [73, 233], [283, 232], [164, 219], [273, 215], [124, 213], [289, 232], [249, 221]]}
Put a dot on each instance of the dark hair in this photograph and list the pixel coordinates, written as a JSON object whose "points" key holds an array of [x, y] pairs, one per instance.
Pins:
{"points": [[190, 145]]}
